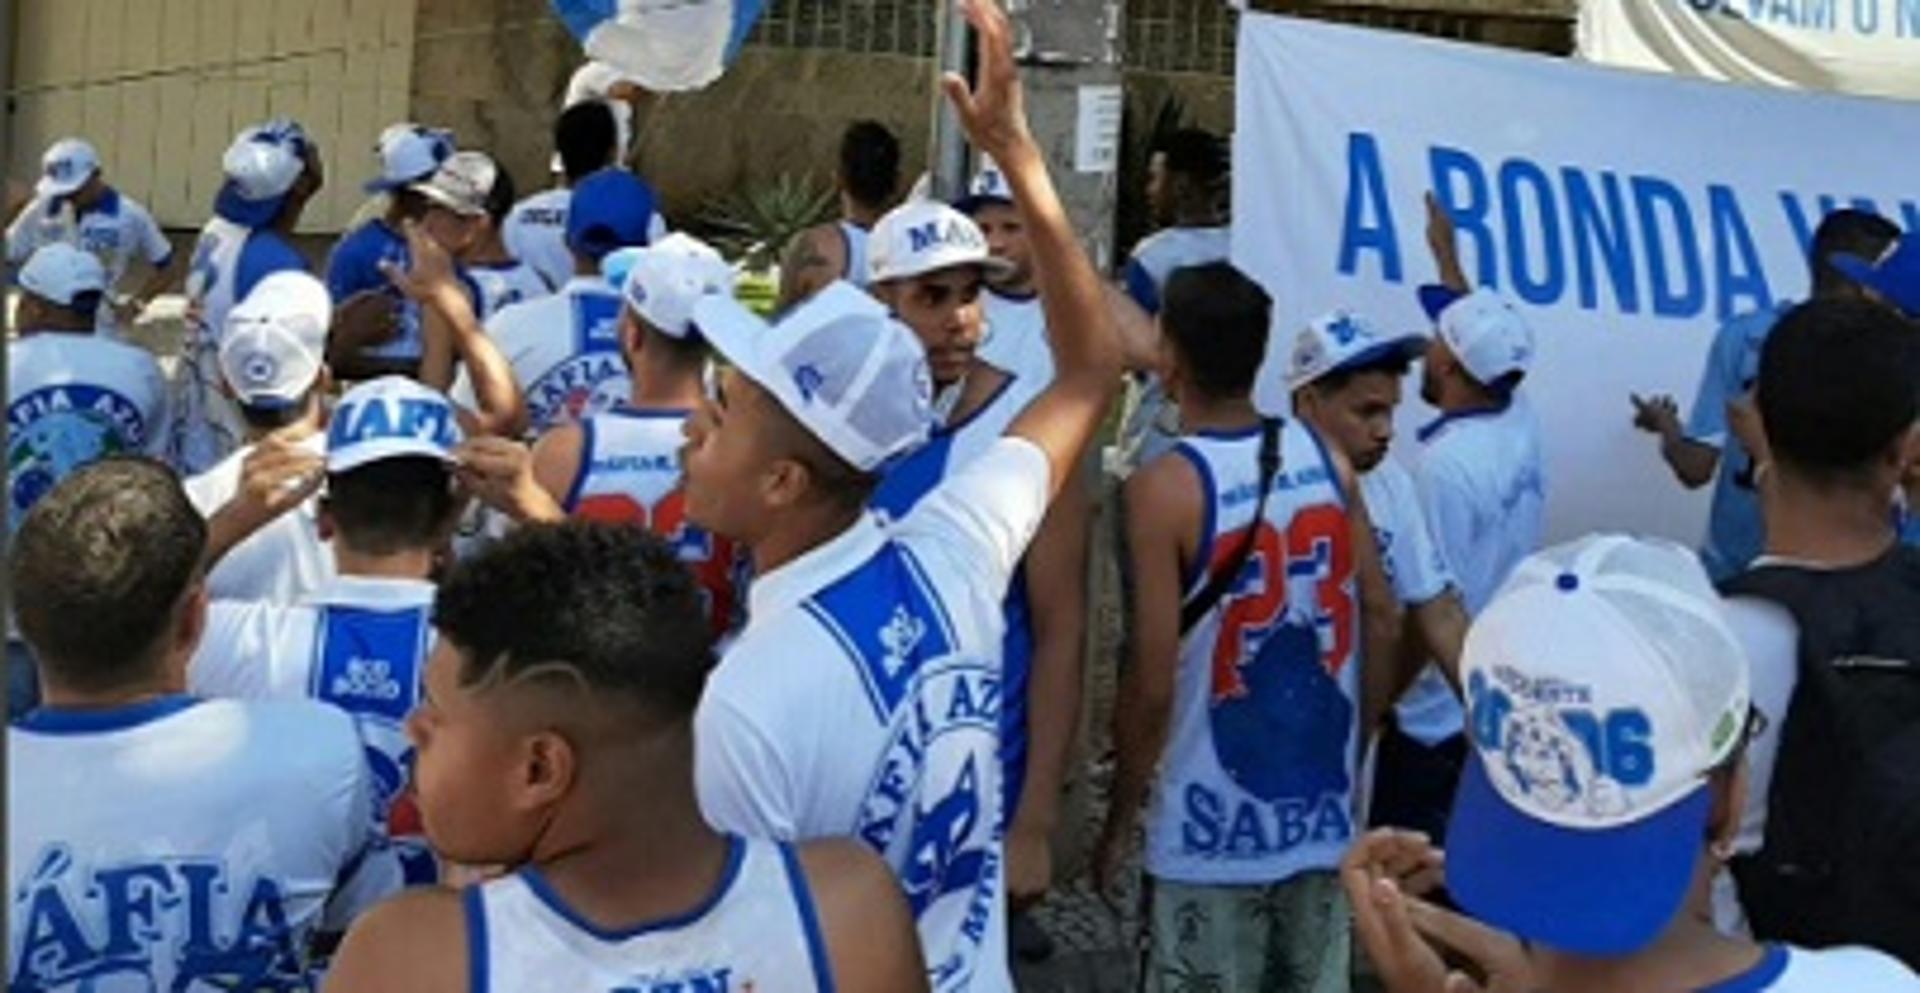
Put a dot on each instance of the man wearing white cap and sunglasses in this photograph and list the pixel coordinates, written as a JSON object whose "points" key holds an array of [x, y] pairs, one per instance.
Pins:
{"points": [[73, 203], [1609, 716], [361, 640], [622, 465], [863, 696]]}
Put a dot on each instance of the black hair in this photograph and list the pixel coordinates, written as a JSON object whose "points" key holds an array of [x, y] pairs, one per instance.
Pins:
{"points": [[1394, 364], [1839, 383], [1194, 153], [1852, 232], [870, 163], [86, 303], [586, 137], [500, 199], [99, 567], [1216, 318], [394, 505], [610, 605], [689, 351]]}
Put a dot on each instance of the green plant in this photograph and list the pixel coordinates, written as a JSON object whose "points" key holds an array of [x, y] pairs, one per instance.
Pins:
{"points": [[754, 224]]}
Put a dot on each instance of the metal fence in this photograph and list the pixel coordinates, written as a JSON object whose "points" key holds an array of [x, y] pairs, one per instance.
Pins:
{"points": [[871, 27]]}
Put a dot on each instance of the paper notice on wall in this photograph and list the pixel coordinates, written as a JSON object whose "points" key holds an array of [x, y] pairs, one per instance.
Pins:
{"points": [[1096, 132]]}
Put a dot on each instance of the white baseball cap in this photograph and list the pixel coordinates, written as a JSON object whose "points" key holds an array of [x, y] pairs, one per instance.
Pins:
{"points": [[662, 281], [261, 166], [923, 236], [1345, 340], [276, 340], [854, 376], [408, 154], [462, 183], [388, 418], [60, 274], [1482, 328], [988, 186], [66, 167], [1603, 690]]}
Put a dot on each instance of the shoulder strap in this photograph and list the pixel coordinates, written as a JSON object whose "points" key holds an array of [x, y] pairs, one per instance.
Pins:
{"points": [[1219, 582]]}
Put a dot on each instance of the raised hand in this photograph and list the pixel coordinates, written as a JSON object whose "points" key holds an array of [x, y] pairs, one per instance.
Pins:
{"points": [[429, 268], [499, 472]]}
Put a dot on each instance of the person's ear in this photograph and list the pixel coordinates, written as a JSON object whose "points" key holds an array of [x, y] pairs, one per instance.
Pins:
{"points": [[1904, 453], [548, 768], [785, 483]]}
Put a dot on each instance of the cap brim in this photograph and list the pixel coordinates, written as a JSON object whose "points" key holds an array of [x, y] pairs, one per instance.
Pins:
{"points": [[382, 184], [248, 213], [990, 267], [1435, 298], [736, 333], [50, 187], [442, 198], [1604, 892], [970, 204]]}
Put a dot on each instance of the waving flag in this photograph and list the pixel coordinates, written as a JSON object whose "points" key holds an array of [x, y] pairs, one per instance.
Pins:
{"points": [[664, 45]]}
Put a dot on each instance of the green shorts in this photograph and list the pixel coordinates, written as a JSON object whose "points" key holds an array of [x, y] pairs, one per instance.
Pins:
{"points": [[1288, 937]]}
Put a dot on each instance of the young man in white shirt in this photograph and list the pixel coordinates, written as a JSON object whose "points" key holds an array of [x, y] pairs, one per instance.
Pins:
{"points": [[156, 840], [585, 140], [1610, 716], [1016, 330], [868, 179], [273, 359], [72, 203], [1345, 375], [862, 698]]}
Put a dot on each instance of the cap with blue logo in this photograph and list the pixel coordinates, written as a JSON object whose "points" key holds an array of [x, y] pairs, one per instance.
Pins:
{"points": [[923, 236], [66, 167], [409, 153], [609, 210], [1345, 340], [276, 340], [854, 376], [389, 418], [1483, 329], [988, 188], [261, 167], [661, 282], [1603, 691], [1894, 276], [65, 275]]}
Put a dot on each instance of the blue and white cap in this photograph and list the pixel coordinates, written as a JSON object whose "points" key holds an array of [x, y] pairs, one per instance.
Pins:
{"points": [[661, 282], [1894, 276], [923, 236], [854, 376], [1344, 340], [276, 340], [409, 153], [388, 418], [988, 187], [1603, 690], [66, 167], [1483, 329], [261, 166]]}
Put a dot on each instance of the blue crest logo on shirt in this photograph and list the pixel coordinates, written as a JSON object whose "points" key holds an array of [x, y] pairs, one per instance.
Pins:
{"points": [[938, 859]]}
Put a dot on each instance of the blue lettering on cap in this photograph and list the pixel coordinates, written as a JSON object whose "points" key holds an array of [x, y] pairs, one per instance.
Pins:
{"points": [[408, 417]]}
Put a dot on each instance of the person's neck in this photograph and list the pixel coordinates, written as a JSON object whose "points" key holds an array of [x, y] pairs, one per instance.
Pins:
{"points": [[1833, 526], [1194, 216], [980, 384], [585, 267], [803, 530], [414, 563], [858, 214], [1459, 396], [1199, 414], [306, 427], [620, 863], [1015, 288], [492, 250], [658, 386], [160, 684]]}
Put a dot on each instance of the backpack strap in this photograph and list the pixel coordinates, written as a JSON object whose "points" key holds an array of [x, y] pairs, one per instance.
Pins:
{"points": [[1220, 581]]}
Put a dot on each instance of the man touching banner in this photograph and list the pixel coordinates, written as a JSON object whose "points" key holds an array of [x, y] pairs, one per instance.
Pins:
{"points": [[1627, 214], [662, 45]]}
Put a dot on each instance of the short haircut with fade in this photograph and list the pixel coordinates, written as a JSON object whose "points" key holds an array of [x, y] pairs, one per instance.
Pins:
{"points": [[585, 136], [1839, 384], [870, 163], [392, 505], [99, 567], [1851, 232], [608, 605], [1217, 319]]}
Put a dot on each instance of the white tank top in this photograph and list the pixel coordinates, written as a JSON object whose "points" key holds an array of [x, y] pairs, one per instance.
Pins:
{"points": [[856, 238], [630, 474], [757, 931], [1257, 784]]}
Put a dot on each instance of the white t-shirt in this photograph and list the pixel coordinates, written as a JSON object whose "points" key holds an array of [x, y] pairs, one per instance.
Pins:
{"points": [[536, 233], [358, 643], [1017, 341], [73, 399], [503, 284], [863, 700], [1787, 969], [1428, 712], [565, 353], [1483, 485], [281, 563], [1771, 639], [118, 229], [184, 844]]}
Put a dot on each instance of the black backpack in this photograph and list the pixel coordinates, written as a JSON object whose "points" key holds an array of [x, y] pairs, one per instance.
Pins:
{"points": [[1841, 859]]}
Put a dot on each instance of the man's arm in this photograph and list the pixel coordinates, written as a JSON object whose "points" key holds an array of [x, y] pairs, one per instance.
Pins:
{"points": [[872, 946], [1379, 650], [413, 943], [1692, 461], [1162, 503], [451, 330], [814, 258], [1057, 600], [1139, 332], [1441, 624], [1062, 420]]}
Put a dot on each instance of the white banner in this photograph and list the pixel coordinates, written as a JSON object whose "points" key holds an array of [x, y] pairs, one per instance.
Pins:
{"points": [[1628, 213], [1868, 47]]}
